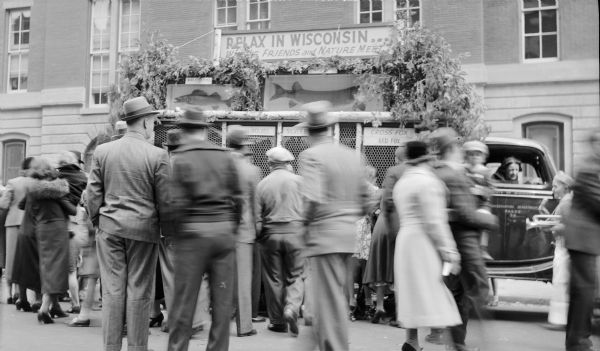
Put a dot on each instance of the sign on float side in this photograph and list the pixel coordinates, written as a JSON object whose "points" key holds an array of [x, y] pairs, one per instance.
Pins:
{"points": [[387, 136]]}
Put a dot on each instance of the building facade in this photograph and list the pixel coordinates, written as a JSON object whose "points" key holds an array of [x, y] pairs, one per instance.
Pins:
{"points": [[535, 62]]}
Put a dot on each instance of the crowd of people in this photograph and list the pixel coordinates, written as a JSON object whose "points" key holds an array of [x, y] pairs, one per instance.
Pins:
{"points": [[194, 227]]}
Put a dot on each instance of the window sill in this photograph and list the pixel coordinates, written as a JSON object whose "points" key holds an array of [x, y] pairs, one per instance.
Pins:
{"points": [[541, 60], [95, 110]]}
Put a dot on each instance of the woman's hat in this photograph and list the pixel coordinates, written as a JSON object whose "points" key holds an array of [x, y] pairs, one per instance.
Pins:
{"points": [[136, 108], [417, 152], [317, 116], [193, 119], [564, 178]]}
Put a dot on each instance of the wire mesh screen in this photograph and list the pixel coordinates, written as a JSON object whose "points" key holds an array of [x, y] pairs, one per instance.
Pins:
{"points": [[259, 148], [160, 134], [348, 134], [380, 157]]}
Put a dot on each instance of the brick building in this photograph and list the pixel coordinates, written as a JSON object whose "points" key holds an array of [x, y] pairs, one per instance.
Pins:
{"points": [[535, 62]]}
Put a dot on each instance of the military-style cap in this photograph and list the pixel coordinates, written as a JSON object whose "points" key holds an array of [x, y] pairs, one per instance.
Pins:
{"points": [[279, 154]]}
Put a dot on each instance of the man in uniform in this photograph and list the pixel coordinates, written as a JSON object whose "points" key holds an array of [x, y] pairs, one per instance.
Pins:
{"points": [[207, 201], [127, 199], [335, 195], [281, 228]]}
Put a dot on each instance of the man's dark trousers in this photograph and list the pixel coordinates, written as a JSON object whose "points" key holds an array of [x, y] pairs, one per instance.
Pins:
{"points": [[282, 270], [470, 288], [202, 248], [582, 289]]}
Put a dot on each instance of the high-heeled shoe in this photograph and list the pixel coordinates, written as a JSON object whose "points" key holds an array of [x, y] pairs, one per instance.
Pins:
{"points": [[57, 312], [44, 318], [379, 314], [156, 321], [36, 307], [23, 306]]}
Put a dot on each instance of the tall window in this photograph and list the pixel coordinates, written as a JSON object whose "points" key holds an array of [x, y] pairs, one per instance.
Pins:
{"points": [[226, 14], [18, 49], [550, 134], [540, 29], [370, 11], [408, 11], [105, 49], [13, 154], [259, 14]]}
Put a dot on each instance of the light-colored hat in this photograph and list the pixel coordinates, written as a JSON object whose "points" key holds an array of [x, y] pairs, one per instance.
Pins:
{"points": [[279, 154], [136, 108], [440, 138], [564, 178], [476, 145], [120, 125], [317, 116]]}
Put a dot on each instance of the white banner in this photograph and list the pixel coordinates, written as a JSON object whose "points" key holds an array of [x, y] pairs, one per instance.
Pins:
{"points": [[387, 136], [256, 130], [299, 131], [347, 42]]}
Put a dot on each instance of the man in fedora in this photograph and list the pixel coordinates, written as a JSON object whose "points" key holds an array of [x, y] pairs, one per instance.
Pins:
{"points": [[335, 195], [249, 176], [470, 287], [207, 199], [127, 200], [280, 211]]}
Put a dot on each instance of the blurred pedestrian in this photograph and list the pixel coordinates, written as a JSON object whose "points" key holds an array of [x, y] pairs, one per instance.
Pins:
{"points": [[280, 225], [361, 301], [249, 176], [559, 301], [127, 198], [47, 203], [424, 242], [335, 196], [470, 287], [15, 191], [379, 271], [207, 200], [582, 239], [166, 256], [68, 169]]}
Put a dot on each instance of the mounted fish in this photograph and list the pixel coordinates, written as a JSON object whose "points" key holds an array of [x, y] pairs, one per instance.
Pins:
{"points": [[290, 91], [206, 97]]}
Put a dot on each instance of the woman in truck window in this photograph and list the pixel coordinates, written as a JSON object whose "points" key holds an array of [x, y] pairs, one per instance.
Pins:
{"points": [[508, 172]]}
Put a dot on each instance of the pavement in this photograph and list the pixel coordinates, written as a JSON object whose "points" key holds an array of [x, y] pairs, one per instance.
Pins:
{"points": [[512, 325]]}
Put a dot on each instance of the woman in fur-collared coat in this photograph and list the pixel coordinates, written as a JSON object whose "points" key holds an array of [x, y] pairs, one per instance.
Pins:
{"points": [[49, 208]]}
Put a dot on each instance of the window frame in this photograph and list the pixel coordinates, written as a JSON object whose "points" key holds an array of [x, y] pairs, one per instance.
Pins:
{"points": [[249, 21], [229, 25], [19, 52], [4, 144], [561, 134], [370, 12], [540, 33], [101, 53], [407, 9], [120, 32]]}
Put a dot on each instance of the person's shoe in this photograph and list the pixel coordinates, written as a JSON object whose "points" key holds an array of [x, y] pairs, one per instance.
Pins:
{"points": [[36, 307], [157, 321], [459, 347], [44, 318], [308, 321], [554, 327], [124, 330], [408, 347], [23, 306], [10, 301], [292, 320], [250, 333], [198, 329], [436, 337], [258, 319], [277, 328], [76, 322], [394, 323], [74, 309], [378, 316], [57, 312]]}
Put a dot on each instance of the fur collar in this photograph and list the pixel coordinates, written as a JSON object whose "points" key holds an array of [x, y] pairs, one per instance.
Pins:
{"points": [[49, 189]]}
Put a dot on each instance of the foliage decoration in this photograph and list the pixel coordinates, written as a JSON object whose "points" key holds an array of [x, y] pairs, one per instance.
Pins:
{"points": [[421, 81]]}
